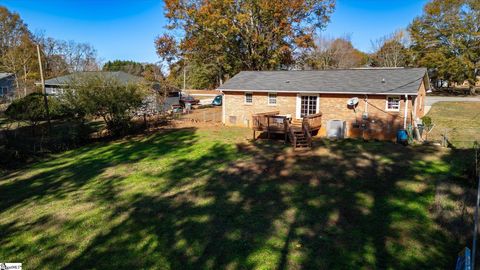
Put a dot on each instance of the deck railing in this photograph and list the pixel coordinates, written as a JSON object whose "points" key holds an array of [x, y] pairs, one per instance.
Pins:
{"points": [[272, 122], [260, 120], [314, 121], [307, 131], [276, 123]]}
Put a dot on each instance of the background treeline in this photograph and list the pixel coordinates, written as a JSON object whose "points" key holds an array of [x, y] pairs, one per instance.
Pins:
{"points": [[18, 53], [151, 72], [223, 38], [92, 106]]}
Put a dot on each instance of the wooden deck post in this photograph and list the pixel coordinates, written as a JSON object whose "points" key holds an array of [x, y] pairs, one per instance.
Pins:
{"points": [[268, 127]]}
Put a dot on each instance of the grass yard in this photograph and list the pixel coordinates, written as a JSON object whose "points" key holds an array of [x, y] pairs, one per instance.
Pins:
{"points": [[209, 199], [459, 120]]}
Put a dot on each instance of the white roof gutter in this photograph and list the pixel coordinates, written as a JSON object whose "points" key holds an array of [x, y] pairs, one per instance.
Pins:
{"points": [[406, 113]]}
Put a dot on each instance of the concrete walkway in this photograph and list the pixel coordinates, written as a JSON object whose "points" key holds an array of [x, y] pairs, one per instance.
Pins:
{"points": [[430, 100]]}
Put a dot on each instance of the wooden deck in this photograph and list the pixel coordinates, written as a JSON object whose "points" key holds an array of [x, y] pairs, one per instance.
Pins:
{"points": [[298, 131]]}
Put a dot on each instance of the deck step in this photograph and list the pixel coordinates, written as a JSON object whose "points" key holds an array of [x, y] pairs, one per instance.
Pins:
{"points": [[301, 140], [302, 147]]}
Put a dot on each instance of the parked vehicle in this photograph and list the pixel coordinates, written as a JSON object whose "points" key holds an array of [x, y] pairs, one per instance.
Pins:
{"points": [[172, 99], [217, 101], [188, 99]]}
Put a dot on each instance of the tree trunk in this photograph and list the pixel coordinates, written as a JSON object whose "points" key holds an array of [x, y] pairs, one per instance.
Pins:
{"points": [[25, 80], [18, 85]]}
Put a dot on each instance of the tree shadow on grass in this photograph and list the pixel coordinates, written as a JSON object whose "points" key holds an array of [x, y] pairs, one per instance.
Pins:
{"points": [[347, 204], [344, 205], [58, 179]]}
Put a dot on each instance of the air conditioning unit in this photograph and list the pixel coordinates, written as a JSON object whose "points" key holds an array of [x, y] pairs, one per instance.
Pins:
{"points": [[336, 129]]}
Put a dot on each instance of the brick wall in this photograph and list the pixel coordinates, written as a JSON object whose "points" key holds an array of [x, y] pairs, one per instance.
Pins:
{"points": [[234, 103], [420, 100], [380, 124]]}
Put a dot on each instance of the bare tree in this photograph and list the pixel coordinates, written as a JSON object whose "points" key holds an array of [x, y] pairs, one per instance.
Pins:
{"points": [[391, 50], [335, 53], [62, 57]]}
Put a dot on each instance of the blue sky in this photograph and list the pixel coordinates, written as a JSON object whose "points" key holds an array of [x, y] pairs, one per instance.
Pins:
{"points": [[126, 29]]}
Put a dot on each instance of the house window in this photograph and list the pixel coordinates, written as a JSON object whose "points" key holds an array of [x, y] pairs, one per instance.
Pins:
{"points": [[3, 91], [393, 104], [248, 98], [272, 98], [308, 105]]}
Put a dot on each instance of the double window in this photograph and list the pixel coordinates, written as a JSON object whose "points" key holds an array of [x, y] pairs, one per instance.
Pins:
{"points": [[272, 98], [393, 104], [248, 98], [308, 105]]}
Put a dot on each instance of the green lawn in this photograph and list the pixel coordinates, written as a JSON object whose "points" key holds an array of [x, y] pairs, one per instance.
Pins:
{"points": [[459, 120], [209, 199]]}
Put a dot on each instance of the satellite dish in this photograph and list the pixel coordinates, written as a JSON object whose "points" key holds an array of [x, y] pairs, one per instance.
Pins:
{"points": [[352, 102]]}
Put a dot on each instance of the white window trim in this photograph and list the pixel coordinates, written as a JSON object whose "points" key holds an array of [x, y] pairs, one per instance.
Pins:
{"points": [[399, 104], [245, 98], [3, 90], [268, 99], [299, 104]]}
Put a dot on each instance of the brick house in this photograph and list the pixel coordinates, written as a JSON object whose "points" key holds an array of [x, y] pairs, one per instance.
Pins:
{"points": [[388, 98]]}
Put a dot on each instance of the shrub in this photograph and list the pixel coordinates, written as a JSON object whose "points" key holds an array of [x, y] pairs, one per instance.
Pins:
{"points": [[427, 124], [31, 109], [105, 97]]}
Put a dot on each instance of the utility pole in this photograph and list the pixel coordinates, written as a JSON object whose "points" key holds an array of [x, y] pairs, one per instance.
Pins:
{"points": [[45, 99], [184, 77]]}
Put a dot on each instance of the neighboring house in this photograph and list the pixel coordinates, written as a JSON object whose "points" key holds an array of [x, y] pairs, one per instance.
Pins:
{"points": [[151, 104], [7, 84], [389, 98], [57, 85]]}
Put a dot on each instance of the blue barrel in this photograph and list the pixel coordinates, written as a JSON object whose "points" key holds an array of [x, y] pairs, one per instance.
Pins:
{"points": [[402, 136]]}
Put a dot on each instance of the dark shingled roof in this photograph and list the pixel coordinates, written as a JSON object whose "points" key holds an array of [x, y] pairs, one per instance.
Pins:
{"points": [[121, 76], [367, 81]]}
